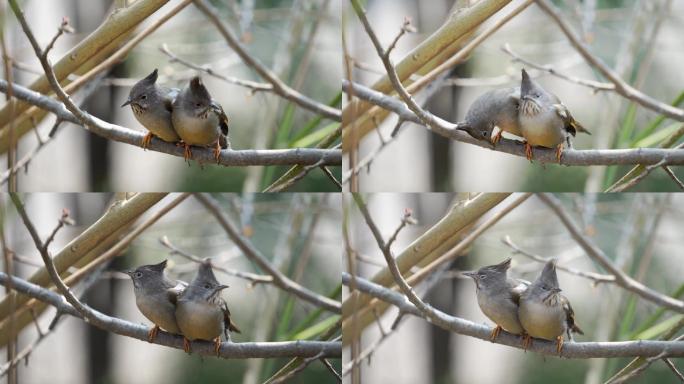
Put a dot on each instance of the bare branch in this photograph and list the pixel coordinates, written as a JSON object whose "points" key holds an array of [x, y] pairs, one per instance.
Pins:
{"points": [[593, 251], [229, 350], [247, 157], [279, 279], [596, 277], [254, 86], [645, 156], [621, 86], [572, 350], [279, 87], [252, 277]]}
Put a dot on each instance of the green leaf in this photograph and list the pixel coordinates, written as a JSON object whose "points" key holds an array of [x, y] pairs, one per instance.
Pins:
{"points": [[315, 136], [658, 136], [659, 328], [316, 329]]}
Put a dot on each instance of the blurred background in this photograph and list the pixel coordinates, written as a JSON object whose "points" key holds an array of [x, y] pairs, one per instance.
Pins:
{"points": [[298, 39], [639, 39], [641, 233], [298, 233]]}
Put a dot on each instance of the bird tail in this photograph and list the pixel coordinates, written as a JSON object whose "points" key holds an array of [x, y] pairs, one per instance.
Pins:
{"points": [[578, 127]]}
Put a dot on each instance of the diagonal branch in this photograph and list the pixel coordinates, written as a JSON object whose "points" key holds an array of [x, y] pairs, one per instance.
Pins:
{"points": [[593, 251], [279, 279], [279, 87], [621, 86]]}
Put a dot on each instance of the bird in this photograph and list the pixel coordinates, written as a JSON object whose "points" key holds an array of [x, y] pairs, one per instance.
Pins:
{"points": [[498, 296], [156, 296], [199, 120], [544, 120], [152, 106], [544, 312], [496, 108], [201, 312]]}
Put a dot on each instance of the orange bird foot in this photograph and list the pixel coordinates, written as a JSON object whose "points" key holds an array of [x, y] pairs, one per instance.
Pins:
{"points": [[559, 344], [186, 345], [217, 345], [528, 151], [217, 152], [527, 341], [146, 140], [496, 138], [495, 333], [187, 153], [559, 152], [152, 334]]}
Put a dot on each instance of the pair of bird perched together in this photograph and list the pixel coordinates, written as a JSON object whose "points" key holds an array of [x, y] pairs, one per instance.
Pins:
{"points": [[522, 308], [195, 310], [528, 111], [187, 117]]}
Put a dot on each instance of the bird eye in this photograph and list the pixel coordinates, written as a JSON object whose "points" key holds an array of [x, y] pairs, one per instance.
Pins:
{"points": [[537, 95], [138, 275], [207, 286], [198, 105], [482, 276], [143, 97]]}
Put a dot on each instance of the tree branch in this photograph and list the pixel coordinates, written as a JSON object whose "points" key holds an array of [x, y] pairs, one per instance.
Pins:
{"points": [[279, 87], [573, 350], [229, 350], [621, 86], [593, 251], [645, 156], [247, 157], [279, 279]]}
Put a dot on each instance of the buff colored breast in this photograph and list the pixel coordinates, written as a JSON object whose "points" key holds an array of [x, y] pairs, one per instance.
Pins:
{"points": [[544, 129], [199, 319], [157, 122], [542, 321], [196, 130]]}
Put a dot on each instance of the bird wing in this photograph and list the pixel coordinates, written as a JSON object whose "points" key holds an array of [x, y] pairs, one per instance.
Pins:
{"points": [[169, 97], [174, 289], [223, 118], [572, 126], [228, 324], [517, 287], [570, 317]]}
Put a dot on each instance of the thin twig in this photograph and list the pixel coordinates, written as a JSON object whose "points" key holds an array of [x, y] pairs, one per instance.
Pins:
{"points": [[596, 277], [331, 369], [254, 86], [674, 369], [279, 279], [593, 251], [279, 87], [673, 177], [252, 277], [621, 86], [304, 363], [595, 85]]}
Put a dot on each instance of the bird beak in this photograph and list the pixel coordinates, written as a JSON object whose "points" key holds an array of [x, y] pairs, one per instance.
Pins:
{"points": [[126, 103], [222, 287], [129, 272], [556, 290], [470, 274]]}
